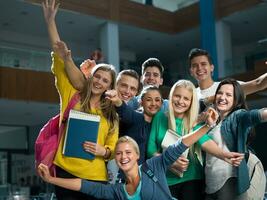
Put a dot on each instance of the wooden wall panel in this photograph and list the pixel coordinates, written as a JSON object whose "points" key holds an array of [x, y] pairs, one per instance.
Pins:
{"points": [[150, 17], [21, 84], [187, 18]]}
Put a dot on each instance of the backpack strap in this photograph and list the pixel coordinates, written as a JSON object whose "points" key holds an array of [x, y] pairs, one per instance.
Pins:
{"points": [[73, 101], [151, 175]]}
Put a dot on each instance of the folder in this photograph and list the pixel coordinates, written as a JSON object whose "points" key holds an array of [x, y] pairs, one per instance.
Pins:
{"points": [[171, 137], [81, 127]]}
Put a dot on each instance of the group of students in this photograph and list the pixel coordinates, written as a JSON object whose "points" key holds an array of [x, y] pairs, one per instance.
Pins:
{"points": [[133, 127]]}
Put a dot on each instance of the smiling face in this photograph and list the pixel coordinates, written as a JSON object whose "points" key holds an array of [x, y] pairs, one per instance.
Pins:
{"points": [[224, 99], [151, 102], [152, 76], [200, 68], [101, 82], [126, 156], [181, 101], [127, 87]]}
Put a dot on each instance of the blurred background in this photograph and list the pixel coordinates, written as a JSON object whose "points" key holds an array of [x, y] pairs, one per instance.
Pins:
{"points": [[127, 32]]}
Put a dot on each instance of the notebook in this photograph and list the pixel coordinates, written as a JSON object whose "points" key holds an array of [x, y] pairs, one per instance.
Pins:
{"points": [[81, 127], [170, 138]]}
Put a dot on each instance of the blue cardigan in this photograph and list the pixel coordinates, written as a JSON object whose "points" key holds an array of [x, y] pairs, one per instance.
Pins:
{"points": [[133, 124], [235, 130], [150, 190]]}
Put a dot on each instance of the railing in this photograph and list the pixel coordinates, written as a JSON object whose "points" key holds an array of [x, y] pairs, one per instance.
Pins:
{"points": [[27, 59]]}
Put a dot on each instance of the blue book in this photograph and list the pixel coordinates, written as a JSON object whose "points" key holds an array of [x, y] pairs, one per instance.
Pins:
{"points": [[81, 127]]}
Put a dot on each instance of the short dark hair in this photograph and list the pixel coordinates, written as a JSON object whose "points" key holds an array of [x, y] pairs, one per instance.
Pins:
{"points": [[132, 73], [195, 52], [128, 72], [239, 96], [149, 88], [153, 62]]}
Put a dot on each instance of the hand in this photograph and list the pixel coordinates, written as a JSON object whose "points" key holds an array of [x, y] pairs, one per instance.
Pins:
{"points": [[233, 158], [180, 165], [50, 9], [44, 173], [211, 116], [112, 95], [62, 50], [94, 148], [87, 66]]}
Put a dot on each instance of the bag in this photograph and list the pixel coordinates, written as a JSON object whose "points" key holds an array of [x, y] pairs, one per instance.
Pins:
{"points": [[170, 138], [49, 137], [257, 178]]}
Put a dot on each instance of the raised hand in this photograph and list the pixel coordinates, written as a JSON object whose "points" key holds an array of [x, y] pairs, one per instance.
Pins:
{"points": [[87, 66], [62, 50], [211, 116], [50, 9], [112, 95]]}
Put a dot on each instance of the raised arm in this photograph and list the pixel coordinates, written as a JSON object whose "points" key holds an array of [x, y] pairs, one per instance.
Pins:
{"points": [[74, 74], [50, 8], [255, 85], [76, 77]]}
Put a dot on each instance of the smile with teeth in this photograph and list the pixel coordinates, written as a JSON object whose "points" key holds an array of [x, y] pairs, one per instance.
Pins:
{"points": [[222, 102], [178, 105], [125, 96], [124, 162]]}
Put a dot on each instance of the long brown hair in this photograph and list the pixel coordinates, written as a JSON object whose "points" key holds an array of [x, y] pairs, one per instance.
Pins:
{"points": [[106, 106]]}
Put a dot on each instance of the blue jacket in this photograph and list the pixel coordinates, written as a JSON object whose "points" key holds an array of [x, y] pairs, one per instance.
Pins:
{"points": [[150, 190], [235, 130], [133, 124]]}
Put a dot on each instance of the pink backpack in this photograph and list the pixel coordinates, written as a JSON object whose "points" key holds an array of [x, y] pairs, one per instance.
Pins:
{"points": [[49, 137]]}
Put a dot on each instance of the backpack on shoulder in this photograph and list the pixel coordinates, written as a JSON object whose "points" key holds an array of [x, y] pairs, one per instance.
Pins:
{"points": [[257, 179], [47, 142]]}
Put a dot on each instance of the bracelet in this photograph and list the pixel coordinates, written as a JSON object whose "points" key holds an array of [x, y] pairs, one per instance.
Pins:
{"points": [[106, 153], [210, 126]]}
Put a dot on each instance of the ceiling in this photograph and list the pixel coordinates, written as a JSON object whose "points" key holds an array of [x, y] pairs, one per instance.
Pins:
{"points": [[16, 16]]}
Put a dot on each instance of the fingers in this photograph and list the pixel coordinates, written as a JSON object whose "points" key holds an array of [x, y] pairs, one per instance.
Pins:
{"points": [[181, 164], [90, 147]]}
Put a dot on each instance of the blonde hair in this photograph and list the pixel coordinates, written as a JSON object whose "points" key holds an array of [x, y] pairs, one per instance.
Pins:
{"points": [[191, 114], [106, 106], [129, 140]]}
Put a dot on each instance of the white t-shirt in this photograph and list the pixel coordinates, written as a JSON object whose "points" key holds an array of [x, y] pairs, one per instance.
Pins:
{"points": [[202, 94]]}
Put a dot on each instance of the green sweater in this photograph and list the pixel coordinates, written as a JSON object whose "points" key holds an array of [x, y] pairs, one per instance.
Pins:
{"points": [[158, 130]]}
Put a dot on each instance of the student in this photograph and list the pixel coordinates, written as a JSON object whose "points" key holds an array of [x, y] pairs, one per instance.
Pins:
{"points": [[231, 133], [127, 84], [201, 68], [181, 117], [92, 101], [152, 74], [138, 123], [138, 184]]}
